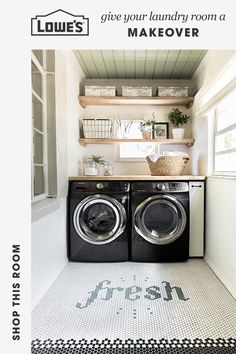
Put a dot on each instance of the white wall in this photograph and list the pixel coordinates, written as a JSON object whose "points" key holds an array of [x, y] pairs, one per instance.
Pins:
{"points": [[221, 230], [220, 197], [49, 253], [74, 78]]}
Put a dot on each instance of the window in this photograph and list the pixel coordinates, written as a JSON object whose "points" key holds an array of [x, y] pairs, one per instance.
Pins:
{"points": [[130, 129], [136, 150], [43, 122], [225, 135]]}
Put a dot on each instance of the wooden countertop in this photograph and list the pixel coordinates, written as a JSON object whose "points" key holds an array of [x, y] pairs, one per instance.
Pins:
{"points": [[137, 178]]}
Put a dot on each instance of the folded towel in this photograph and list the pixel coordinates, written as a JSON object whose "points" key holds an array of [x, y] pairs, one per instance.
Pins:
{"points": [[175, 153], [154, 157]]}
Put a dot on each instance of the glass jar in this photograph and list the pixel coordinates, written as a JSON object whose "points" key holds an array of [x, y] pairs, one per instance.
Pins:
{"points": [[108, 168], [90, 168]]}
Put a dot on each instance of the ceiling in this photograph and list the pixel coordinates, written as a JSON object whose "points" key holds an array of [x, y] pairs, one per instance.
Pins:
{"points": [[139, 64]]}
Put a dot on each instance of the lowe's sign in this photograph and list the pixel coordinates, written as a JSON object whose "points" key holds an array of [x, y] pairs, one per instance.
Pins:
{"points": [[59, 23]]}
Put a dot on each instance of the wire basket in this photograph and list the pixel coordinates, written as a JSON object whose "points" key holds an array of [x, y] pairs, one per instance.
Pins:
{"points": [[167, 165], [97, 128]]}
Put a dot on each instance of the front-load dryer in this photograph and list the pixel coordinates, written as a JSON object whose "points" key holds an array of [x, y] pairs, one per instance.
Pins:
{"points": [[98, 221], [160, 221]]}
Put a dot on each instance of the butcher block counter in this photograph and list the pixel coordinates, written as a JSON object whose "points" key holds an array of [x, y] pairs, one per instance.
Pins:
{"points": [[137, 178]]}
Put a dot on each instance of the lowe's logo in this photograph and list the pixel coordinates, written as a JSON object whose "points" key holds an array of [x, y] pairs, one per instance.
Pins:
{"points": [[60, 23]]}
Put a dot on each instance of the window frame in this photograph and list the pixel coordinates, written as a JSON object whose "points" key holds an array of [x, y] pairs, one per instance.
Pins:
{"points": [[132, 159], [215, 116], [43, 132], [117, 149]]}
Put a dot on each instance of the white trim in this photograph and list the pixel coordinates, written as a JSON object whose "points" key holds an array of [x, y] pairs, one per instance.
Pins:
{"points": [[215, 100], [211, 113], [44, 206], [48, 284], [36, 62], [226, 282], [37, 96], [43, 132], [225, 176], [45, 140], [200, 67]]}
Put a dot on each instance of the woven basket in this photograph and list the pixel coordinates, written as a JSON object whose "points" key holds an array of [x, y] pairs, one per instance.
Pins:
{"points": [[167, 165]]}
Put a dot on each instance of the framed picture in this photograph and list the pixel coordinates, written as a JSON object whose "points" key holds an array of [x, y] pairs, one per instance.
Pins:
{"points": [[161, 131]]}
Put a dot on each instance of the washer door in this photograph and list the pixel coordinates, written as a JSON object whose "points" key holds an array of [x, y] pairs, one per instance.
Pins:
{"points": [[99, 219], [160, 219]]}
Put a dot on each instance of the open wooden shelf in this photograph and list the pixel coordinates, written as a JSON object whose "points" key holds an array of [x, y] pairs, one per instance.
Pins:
{"points": [[124, 100], [84, 141]]}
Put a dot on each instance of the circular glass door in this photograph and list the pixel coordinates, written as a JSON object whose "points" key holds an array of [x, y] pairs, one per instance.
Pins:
{"points": [[160, 219], [99, 219]]}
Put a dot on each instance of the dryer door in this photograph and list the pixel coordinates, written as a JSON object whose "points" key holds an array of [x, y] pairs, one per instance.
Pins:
{"points": [[99, 219], [160, 219]]}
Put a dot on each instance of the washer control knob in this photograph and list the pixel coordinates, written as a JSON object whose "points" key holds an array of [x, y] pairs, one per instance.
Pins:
{"points": [[99, 186], [161, 187]]}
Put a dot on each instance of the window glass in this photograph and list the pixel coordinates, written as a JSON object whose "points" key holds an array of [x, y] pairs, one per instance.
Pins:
{"points": [[136, 150], [36, 80], [44, 153], [38, 180], [225, 141], [226, 112], [37, 111], [38, 148], [225, 135], [39, 55], [128, 129], [226, 162]]}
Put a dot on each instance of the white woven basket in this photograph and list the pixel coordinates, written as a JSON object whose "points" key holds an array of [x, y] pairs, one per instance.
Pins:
{"points": [[167, 165]]}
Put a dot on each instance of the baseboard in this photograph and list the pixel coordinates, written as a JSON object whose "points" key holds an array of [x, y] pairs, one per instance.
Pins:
{"points": [[47, 285], [221, 276]]}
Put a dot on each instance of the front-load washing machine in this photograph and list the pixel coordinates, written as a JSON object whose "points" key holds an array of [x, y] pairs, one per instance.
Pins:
{"points": [[98, 221], [160, 221]]}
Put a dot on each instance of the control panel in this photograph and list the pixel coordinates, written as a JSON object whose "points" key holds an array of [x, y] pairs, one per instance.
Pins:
{"points": [[118, 186], [103, 186], [171, 187], [178, 186], [160, 187]]}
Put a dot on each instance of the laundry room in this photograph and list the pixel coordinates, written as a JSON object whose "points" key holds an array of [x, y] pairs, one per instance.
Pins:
{"points": [[133, 201]]}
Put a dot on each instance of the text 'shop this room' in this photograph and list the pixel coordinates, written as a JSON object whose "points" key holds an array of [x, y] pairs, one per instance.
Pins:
{"points": [[133, 201]]}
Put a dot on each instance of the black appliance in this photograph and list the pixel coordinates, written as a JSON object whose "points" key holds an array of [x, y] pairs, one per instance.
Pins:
{"points": [[160, 221], [98, 221]]}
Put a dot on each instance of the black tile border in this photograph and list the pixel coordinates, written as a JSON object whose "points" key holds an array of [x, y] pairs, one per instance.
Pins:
{"points": [[131, 346]]}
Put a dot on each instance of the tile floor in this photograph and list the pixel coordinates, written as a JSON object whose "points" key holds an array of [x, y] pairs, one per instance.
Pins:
{"points": [[135, 308]]}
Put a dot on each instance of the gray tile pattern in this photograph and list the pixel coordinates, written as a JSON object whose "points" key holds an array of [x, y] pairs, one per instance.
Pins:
{"points": [[135, 300]]}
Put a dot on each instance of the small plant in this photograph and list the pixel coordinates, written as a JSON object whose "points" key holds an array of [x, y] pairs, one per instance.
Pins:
{"points": [[98, 159], [177, 118], [147, 123]]}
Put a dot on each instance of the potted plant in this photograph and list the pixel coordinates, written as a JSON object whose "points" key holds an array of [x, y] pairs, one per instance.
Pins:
{"points": [[147, 125], [92, 166], [97, 159], [178, 119]]}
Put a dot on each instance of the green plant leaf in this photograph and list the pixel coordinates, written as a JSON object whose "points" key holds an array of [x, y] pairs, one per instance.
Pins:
{"points": [[96, 158], [177, 118]]}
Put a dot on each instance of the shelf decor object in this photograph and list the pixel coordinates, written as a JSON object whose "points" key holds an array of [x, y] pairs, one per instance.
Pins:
{"points": [[100, 91], [167, 165], [172, 91], [97, 128], [161, 130], [136, 91], [178, 119]]}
